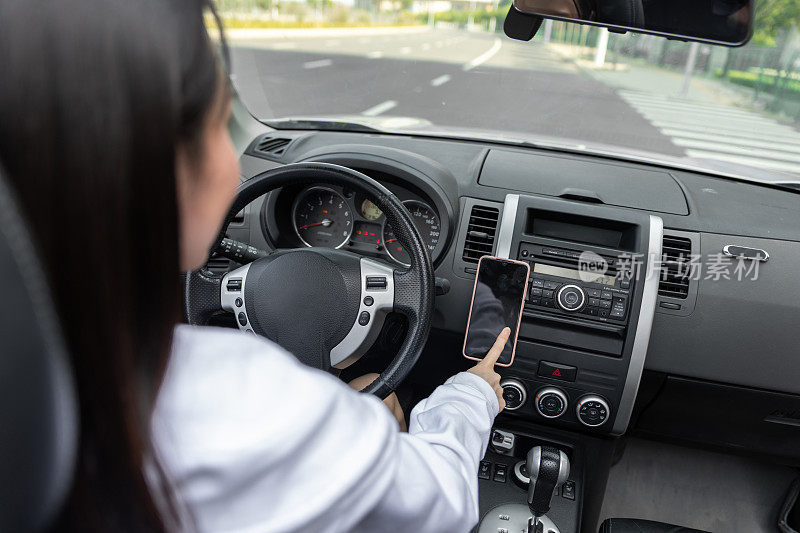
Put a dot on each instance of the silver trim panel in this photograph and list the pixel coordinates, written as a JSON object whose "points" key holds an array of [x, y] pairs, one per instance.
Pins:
{"points": [[360, 338], [228, 298], [643, 327], [506, 232]]}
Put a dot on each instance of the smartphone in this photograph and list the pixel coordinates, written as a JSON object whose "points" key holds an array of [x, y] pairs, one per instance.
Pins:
{"points": [[501, 286]]}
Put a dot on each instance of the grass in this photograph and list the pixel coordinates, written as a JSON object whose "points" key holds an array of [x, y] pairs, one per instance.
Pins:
{"points": [[788, 87]]}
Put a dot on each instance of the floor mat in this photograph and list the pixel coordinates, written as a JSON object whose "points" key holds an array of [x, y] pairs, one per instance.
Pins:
{"points": [[696, 488]]}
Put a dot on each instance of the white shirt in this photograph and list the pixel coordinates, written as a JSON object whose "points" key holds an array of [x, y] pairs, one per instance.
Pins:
{"points": [[254, 441]]}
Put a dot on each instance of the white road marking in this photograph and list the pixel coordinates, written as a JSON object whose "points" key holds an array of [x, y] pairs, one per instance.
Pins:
{"points": [[318, 64], [441, 80], [383, 107], [375, 55], [405, 50], [484, 57], [722, 133]]}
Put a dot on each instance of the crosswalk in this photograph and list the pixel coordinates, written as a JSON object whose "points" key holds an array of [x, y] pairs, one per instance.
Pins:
{"points": [[719, 132]]}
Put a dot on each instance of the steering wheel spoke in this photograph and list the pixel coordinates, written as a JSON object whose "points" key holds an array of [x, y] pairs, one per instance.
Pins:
{"points": [[376, 301]]}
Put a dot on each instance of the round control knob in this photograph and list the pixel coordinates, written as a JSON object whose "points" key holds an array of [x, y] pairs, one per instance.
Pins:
{"points": [[551, 402], [513, 393], [592, 411], [571, 298]]}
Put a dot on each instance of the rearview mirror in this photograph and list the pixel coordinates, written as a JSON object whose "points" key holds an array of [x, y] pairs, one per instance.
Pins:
{"points": [[725, 22]]}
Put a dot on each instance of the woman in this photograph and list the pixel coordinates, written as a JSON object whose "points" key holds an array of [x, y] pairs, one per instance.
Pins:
{"points": [[113, 128]]}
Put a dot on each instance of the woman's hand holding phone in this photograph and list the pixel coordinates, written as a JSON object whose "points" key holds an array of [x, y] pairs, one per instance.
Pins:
{"points": [[485, 368]]}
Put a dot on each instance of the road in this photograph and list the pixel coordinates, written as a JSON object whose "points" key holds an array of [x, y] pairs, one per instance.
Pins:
{"points": [[475, 80]]}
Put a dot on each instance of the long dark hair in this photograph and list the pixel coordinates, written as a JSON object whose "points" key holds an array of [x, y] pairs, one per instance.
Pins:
{"points": [[96, 97]]}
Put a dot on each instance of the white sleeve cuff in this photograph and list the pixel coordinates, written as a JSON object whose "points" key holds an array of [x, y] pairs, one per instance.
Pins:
{"points": [[480, 385]]}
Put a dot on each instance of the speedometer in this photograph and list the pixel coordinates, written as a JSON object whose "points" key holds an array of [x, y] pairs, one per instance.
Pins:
{"points": [[322, 217], [427, 223]]}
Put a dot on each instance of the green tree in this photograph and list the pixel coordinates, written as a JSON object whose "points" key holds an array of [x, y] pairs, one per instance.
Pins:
{"points": [[773, 16]]}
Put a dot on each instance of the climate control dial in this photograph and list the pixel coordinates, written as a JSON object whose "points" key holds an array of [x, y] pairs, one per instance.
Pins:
{"points": [[551, 402], [513, 393], [592, 411], [571, 298]]}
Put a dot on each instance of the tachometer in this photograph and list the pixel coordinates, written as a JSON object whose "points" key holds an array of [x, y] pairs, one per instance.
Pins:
{"points": [[322, 217], [427, 223]]}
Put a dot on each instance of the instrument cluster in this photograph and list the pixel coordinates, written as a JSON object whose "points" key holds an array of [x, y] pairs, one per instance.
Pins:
{"points": [[334, 217]]}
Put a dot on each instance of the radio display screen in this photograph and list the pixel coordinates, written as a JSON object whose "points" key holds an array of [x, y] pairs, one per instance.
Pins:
{"points": [[585, 276]]}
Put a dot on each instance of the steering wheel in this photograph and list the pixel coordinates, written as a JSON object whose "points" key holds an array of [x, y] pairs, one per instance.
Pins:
{"points": [[324, 306]]}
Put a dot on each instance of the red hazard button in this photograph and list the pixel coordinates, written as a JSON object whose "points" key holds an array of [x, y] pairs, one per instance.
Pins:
{"points": [[557, 371]]}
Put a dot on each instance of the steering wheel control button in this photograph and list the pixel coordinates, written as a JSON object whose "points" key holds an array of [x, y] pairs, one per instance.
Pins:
{"points": [[513, 393], [375, 283], [368, 300], [242, 319], [234, 285], [363, 318], [238, 302], [592, 411], [557, 371], [571, 298], [551, 402]]}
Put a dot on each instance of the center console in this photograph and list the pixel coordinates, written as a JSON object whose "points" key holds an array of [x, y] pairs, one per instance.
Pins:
{"points": [[586, 323], [580, 352]]}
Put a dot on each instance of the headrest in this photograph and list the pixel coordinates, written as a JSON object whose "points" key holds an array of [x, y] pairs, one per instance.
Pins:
{"points": [[38, 403]]}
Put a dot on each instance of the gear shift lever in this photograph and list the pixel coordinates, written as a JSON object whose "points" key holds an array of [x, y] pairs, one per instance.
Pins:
{"points": [[548, 469]]}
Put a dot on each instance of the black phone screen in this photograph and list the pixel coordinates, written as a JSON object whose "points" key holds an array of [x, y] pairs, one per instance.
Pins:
{"points": [[496, 303]]}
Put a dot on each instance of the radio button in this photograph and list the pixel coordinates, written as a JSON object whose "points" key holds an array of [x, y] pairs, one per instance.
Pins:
{"points": [[625, 284], [535, 291], [592, 311], [548, 303], [617, 314], [571, 298], [594, 302], [534, 301], [606, 295], [536, 282], [551, 284], [593, 293], [605, 304], [547, 294]]}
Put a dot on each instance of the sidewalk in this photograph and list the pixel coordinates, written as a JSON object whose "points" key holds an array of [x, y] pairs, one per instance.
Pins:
{"points": [[633, 74]]}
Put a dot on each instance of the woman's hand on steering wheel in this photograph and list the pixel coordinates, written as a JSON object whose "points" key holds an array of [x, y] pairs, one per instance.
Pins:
{"points": [[485, 368]]}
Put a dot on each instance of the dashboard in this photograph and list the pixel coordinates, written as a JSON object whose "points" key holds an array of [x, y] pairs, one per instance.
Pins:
{"points": [[333, 217], [728, 340]]}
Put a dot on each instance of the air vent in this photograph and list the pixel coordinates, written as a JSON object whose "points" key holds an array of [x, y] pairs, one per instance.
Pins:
{"points": [[676, 253], [272, 146], [480, 233], [218, 265]]}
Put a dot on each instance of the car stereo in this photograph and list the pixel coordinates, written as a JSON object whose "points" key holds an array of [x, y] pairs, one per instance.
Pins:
{"points": [[563, 283]]}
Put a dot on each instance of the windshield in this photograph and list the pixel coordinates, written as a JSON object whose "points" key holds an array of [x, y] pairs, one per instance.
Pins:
{"points": [[445, 65]]}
